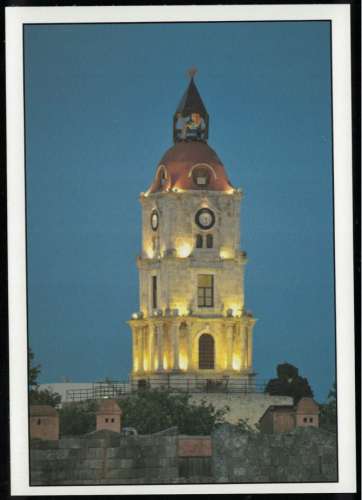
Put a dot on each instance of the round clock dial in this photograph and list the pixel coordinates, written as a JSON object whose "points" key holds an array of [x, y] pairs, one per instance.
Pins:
{"points": [[154, 220], [205, 218]]}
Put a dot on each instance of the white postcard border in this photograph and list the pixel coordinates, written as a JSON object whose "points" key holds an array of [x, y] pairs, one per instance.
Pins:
{"points": [[339, 15]]}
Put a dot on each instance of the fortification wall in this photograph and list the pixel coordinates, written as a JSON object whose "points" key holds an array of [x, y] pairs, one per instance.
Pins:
{"points": [[305, 454]]}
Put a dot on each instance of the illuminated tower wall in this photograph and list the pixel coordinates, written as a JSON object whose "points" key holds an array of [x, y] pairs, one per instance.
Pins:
{"points": [[192, 322]]}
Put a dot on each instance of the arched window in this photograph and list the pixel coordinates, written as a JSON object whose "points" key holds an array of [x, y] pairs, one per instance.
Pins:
{"points": [[201, 175], [162, 177], [209, 241], [198, 241], [206, 352]]}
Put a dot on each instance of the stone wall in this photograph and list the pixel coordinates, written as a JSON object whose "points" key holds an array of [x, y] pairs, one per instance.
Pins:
{"points": [[303, 455], [105, 457]]}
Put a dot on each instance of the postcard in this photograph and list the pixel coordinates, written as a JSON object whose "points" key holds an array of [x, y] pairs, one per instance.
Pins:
{"points": [[180, 250]]}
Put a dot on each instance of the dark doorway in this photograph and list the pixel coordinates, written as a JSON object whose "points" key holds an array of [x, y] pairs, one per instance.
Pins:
{"points": [[206, 352]]}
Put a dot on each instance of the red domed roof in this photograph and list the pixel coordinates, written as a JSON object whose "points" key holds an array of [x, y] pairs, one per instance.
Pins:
{"points": [[190, 165]]}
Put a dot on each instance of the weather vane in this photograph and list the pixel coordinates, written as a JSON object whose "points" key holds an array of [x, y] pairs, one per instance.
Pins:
{"points": [[192, 71]]}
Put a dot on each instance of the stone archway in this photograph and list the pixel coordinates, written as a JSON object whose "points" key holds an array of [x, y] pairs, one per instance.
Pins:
{"points": [[206, 352]]}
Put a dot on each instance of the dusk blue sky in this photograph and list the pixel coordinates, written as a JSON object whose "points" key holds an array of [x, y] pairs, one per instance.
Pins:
{"points": [[99, 105]]}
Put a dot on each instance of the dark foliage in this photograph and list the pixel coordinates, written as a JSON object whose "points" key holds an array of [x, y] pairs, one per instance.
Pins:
{"points": [[37, 396], [289, 383], [147, 411], [328, 411], [154, 410], [286, 371], [78, 418], [44, 397], [34, 370]]}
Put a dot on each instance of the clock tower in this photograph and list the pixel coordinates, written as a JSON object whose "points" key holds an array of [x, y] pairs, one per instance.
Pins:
{"points": [[192, 324]]}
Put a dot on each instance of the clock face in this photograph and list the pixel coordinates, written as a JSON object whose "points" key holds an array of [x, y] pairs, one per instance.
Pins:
{"points": [[205, 218], [154, 220]]}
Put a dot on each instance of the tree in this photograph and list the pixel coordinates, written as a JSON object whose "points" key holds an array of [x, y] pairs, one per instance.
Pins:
{"points": [[78, 418], [243, 426], [37, 396], [147, 411], [34, 370], [289, 383], [44, 397], [154, 410], [328, 411]]}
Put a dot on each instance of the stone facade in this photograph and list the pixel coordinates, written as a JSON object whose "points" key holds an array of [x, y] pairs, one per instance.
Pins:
{"points": [[177, 253], [228, 456], [44, 422]]}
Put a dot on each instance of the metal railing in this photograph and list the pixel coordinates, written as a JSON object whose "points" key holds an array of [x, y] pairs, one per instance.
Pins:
{"points": [[114, 390]]}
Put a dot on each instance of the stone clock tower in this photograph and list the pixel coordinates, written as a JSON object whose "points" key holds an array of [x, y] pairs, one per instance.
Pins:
{"points": [[192, 325]]}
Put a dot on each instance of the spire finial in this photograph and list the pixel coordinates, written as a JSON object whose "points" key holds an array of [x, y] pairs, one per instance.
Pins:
{"points": [[192, 71]]}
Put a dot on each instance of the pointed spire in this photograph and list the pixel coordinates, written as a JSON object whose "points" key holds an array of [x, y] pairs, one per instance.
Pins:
{"points": [[192, 71], [191, 101], [191, 118]]}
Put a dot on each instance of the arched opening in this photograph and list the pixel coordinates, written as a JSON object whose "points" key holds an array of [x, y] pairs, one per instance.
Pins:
{"points": [[206, 352], [209, 241], [201, 174], [162, 176], [198, 241]]}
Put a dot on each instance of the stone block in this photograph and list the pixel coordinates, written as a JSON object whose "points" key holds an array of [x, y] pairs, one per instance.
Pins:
{"points": [[36, 455], [40, 444], [93, 463], [168, 462], [239, 472], [95, 443], [36, 476], [71, 443], [329, 458], [95, 453], [119, 474], [160, 475], [170, 451], [283, 460], [77, 453], [85, 474], [113, 463], [113, 453], [126, 463], [152, 462], [330, 472]]}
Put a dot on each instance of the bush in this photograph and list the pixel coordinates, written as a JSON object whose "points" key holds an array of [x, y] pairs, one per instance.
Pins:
{"points": [[78, 418], [328, 411], [154, 410], [44, 397]]}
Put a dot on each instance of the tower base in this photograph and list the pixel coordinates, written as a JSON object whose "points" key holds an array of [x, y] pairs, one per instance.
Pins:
{"points": [[232, 382]]}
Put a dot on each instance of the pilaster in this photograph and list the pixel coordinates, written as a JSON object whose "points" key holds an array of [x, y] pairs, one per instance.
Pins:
{"points": [[229, 345]]}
